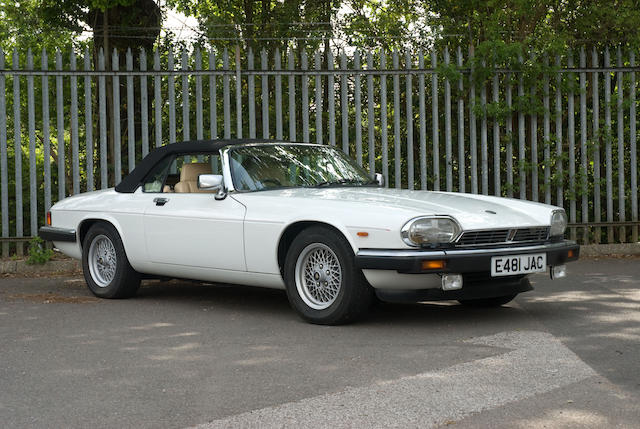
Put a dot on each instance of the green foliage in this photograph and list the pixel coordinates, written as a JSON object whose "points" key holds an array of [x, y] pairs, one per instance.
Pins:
{"points": [[37, 252]]}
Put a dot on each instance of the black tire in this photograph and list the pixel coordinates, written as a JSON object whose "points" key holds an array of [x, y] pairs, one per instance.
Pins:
{"points": [[487, 302], [125, 282], [354, 296]]}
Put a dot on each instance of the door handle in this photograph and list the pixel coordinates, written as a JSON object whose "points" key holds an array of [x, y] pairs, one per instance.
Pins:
{"points": [[160, 201]]}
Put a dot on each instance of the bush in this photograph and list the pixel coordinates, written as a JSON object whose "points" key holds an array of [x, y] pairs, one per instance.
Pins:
{"points": [[38, 254]]}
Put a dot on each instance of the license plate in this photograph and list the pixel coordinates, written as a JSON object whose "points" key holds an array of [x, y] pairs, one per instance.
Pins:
{"points": [[518, 264]]}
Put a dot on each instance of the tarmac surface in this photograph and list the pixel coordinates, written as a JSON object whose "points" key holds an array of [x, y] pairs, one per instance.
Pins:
{"points": [[184, 354]]}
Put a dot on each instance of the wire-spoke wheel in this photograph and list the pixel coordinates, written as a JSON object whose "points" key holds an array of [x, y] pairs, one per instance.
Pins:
{"points": [[318, 276], [323, 284], [102, 260], [105, 265]]}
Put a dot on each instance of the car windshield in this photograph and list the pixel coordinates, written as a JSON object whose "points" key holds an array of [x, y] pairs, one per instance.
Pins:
{"points": [[271, 166]]}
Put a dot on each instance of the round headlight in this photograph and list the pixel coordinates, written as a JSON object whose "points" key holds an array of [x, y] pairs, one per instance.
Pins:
{"points": [[430, 230], [558, 223]]}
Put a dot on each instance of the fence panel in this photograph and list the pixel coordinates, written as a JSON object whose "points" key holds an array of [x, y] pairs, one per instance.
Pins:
{"points": [[567, 169]]}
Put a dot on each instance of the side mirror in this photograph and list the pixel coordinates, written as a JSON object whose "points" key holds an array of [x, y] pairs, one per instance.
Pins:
{"points": [[379, 178], [209, 182], [212, 182]]}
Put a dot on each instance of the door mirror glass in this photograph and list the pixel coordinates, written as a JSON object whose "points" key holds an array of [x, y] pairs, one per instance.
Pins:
{"points": [[209, 182], [379, 178]]}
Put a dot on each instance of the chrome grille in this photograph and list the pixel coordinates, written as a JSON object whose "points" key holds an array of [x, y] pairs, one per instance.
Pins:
{"points": [[471, 238], [531, 234], [498, 236]]}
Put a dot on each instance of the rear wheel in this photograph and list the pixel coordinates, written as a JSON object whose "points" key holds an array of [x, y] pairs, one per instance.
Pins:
{"points": [[105, 265], [487, 302], [323, 284]]}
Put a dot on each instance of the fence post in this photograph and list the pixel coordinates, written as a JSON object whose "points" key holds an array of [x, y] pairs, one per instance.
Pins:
{"points": [[546, 133], [278, 79], [344, 108], [370, 116], [31, 117], [447, 126], [264, 96], [4, 175], [384, 130], [62, 170], [198, 77], [117, 161], [632, 148], [238, 94], [607, 143], [75, 149], [17, 141], [292, 96], [251, 89], [226, 101], [534, 143], [397, 154], [318, 101], [496, 136], [422, 124], [131, 125], [331, 99], [583, 144], [171, 90], [434, 122], [462, 160], [88, 120], [620, 123], [184, 65], [157, 96], [473, 143], [102, 107], [484, 162], [213, 98], [305, 97], [558, 106], [596, 150]]}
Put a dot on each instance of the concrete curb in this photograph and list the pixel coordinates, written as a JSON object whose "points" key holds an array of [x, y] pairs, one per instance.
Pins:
{"points": [[51, 267]]}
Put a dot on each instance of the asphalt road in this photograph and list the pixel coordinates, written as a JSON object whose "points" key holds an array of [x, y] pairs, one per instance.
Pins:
{"points": [[185, 354]]}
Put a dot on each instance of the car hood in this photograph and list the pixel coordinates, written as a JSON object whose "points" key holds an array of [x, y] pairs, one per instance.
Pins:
{"points": [[470, 210]]}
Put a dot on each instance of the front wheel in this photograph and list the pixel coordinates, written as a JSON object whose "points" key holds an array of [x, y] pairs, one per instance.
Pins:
{"points": [[487, 302], [105, 265], [323, 284]]}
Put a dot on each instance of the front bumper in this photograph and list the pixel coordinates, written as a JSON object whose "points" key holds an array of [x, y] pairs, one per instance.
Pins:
{"points": [[459, 261], [52, 233]]}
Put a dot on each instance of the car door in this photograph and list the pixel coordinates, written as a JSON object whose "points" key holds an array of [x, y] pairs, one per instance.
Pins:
{"points": [[186, 227], [196, 230]]}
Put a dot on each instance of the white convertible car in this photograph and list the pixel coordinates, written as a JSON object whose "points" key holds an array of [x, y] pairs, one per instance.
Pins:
{"points": [[308, 219]]}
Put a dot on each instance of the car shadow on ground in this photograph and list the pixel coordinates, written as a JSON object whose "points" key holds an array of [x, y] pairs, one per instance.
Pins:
{"points": [[256, 301]]}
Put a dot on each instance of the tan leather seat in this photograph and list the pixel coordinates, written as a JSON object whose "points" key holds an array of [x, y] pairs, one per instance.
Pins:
{"points": [[189, 177], [167, 189]]}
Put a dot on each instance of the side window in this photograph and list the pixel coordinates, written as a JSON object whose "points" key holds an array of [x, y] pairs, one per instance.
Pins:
{"points": [[155, 181], [185, 169]]}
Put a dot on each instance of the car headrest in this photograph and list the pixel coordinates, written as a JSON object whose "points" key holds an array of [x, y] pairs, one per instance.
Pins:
{"points": [[190, 172]]}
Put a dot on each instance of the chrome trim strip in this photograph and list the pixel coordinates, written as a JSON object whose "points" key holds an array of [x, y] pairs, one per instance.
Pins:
{"points": [[401, 253]]}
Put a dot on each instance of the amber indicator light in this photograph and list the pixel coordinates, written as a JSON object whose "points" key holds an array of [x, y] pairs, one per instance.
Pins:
{"points": [[570, 253], [362, 234], [49, 218], [433, 265]]}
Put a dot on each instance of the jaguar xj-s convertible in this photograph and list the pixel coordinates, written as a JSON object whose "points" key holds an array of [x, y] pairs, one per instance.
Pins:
{"points": [[304, 218]]}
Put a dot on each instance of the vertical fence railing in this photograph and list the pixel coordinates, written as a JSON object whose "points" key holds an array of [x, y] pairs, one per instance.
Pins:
{"points": [[71, 126]]}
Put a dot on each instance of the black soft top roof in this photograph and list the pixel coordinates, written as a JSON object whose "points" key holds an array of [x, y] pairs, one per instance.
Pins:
{"points": [[134, 179]]}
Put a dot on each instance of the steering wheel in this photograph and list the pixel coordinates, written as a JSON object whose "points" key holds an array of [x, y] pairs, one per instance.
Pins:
{"points": [[276, 182]]}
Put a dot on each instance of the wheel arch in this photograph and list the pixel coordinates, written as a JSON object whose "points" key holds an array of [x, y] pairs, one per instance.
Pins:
{"points": [[87, 223], [294, 229]]}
